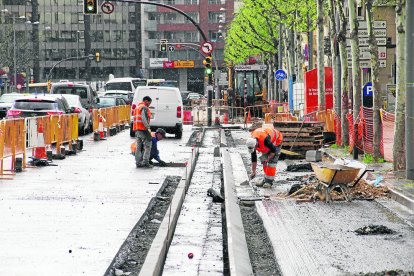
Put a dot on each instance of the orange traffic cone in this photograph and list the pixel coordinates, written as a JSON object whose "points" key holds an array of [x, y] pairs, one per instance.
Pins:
{"points": [[101, 128], [226, 118], [40, 150], [249, 118]]}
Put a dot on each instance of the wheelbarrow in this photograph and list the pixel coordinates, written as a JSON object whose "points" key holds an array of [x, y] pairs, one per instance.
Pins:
{"points": [[331, 176]]}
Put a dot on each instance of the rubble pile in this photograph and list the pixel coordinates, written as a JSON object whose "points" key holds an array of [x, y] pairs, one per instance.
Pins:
{"points": [[311, 191]]}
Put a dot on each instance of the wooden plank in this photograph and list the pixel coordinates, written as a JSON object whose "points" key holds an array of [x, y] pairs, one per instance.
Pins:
{"points": [[304, 129]]}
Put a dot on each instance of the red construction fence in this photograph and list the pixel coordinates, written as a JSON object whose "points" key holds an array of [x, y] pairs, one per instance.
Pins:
{"points": [[365, 132]]}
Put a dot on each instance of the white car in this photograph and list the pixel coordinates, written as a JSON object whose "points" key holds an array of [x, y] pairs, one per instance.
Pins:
{"points": [[166, 108], [126, 84], [84, 116]]}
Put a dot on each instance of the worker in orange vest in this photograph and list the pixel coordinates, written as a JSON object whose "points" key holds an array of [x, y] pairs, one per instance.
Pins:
{"points": [[141, 126], [267, 141]]}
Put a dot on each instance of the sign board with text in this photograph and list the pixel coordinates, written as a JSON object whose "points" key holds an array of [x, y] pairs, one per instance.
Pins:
{"points": [[253, 67], [183, 63], [311, 89], [367, 64], [364, 53], [157, 62]]}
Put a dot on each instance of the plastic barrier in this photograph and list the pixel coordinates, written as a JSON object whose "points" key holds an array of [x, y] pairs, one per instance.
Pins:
{"points": [[14, 141], [112, 116], [187, 117]]}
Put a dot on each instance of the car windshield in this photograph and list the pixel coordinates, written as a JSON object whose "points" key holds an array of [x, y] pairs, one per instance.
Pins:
{"points": [[107, 101], [137, 83], [80, 91], [118, 86], [9, 98], [35, 105], [72, 101], [38, 90]]}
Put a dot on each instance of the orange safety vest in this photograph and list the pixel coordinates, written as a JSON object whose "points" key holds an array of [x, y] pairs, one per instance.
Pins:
{"points": [[260, 134], [138, 125]]}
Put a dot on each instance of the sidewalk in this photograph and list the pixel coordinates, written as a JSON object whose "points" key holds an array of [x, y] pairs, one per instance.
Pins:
{"points": [[402, 189]]}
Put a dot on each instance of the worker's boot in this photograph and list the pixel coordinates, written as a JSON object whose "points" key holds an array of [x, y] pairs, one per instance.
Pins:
{"points": [[144, 164], [260, 183], [268, 183]]}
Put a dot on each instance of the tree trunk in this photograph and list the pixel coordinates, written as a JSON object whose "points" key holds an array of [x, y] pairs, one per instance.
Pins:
{"points": [[376, 91], [321, 72], [344, 73], [399, 162], [334, 54], [356, 77]]}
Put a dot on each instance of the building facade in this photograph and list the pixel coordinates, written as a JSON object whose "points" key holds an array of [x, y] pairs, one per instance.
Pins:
{"points": [[126, 39]]}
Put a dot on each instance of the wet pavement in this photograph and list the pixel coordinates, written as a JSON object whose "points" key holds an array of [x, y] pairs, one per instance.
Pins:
{"points": [[319, 238], [72, 219]]}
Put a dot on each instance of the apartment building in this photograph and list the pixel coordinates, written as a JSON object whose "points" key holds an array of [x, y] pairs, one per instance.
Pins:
{"points": [[126, 39], [162, 23]]}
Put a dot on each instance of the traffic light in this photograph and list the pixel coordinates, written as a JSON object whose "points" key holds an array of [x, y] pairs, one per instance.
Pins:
{"points": [[97, 57], [90, 6], [208, 66], [163, 45]]}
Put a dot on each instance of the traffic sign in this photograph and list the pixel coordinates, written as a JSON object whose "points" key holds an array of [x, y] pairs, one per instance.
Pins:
{"points": [[178, 46], [171, 48], [367, 90], [168, 64], [280, 74], [207, 48], [184, 64], [107, 7]]}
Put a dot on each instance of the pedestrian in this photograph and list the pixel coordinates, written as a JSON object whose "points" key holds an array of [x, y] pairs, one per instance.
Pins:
{"points": [[268, 141], [141, 126], [158, 135]]}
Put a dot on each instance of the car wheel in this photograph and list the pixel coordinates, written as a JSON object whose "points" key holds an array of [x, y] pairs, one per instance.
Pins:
{"points": [[178, 133]]}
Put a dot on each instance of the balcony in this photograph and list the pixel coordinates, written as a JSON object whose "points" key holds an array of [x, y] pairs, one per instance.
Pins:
{"points": [[151, 25], [150, 44]]}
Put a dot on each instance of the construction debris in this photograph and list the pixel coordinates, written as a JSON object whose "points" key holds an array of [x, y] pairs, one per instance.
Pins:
{"points": [[308, 190], [299, 167], [374, 230]]}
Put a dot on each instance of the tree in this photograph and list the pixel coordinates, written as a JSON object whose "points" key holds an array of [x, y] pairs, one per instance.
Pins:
{"points": [[373, 48], [399, 161], [341, 39], [320, 60], [356, 77], [335, 58]]}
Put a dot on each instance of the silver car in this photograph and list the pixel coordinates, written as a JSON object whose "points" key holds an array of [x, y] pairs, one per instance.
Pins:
{"points": [[84, 117]]}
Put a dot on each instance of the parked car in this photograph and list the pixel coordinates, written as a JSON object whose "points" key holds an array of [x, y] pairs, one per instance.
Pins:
{"points": [[126, 95], [166, 108], [84, 116], [7, 100], [85, 91], [193, 96], [107, 101], [126, 84], [38, 105]]}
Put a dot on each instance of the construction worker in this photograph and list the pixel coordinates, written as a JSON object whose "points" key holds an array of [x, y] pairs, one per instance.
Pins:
{"points": [[158, 135], [268, 141], [141, 126]]}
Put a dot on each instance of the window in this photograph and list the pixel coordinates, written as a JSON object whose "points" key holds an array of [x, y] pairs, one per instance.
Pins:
{"points": [[170, 17], [191, 2], [215, 17], [214, 2], [193, 16], [213, 35], [191, 37]]}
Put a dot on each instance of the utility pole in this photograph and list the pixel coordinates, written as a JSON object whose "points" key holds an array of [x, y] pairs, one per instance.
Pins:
{"points": [[409, 107]]}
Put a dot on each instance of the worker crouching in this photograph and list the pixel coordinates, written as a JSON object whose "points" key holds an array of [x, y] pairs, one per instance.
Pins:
{"points": [[267, 141]]}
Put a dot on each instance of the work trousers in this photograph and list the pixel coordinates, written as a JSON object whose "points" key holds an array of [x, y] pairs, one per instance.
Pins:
{"points": [[270, 168], [144, 143]]}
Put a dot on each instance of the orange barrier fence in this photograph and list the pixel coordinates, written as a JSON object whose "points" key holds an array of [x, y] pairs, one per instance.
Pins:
{"points": [[365, 132], [112, 116], [13, 141]]}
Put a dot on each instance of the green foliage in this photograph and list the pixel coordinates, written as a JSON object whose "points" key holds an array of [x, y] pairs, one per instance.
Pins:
{"points": [[334, 146], [368, 159], [255, 28]]}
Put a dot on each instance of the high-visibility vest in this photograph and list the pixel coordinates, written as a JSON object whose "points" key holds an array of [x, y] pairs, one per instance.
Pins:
{"points": [[138, 125], [260, 134]]}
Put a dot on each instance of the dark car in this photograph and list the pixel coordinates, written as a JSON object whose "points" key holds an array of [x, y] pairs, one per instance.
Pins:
{"points": [[85, 91], [126, 95], [7, 100], [33, 106], [109, 101]]}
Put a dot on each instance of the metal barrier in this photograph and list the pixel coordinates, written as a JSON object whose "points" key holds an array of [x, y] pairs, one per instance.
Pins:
{"points": [[111, 116]]}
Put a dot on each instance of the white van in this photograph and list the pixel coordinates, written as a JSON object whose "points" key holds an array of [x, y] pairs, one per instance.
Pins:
{"points": [[166, 108], [126, 84]]}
